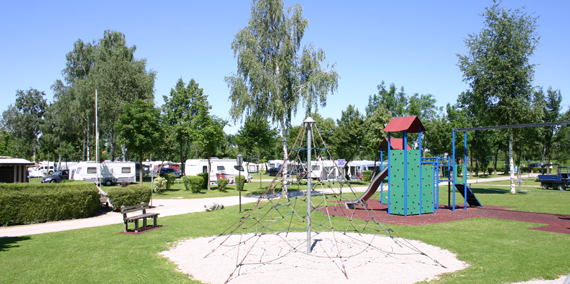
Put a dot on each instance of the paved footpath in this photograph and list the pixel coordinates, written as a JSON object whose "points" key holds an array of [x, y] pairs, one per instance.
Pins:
{"points": [[166, 207]]}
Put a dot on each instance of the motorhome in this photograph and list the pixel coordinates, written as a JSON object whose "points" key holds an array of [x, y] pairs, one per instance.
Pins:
{"points": [[220, 168], [46, 167], [107, 173]]}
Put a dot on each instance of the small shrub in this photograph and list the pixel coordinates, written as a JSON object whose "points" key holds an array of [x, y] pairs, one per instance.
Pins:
{"points": [[240, 181], [128, 196], [222, 184], [186, 182], [204, 176], [159, 185], [196, 183], [366, 176], [170, 178]]}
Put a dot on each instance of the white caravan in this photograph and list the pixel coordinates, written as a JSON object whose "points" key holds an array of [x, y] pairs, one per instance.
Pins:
{"points": [[107, 173], [274, 163], [355, 168], [221, 168], [324, 170]]}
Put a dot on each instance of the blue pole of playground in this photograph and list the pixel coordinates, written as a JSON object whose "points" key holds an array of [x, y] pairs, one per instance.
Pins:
{"points": [[420, 184], [405, 172], [465, 171], [381, 168], [454, 168], [389, 177]]}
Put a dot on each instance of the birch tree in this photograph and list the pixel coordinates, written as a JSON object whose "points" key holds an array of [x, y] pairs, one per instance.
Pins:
{"points": [[273, 73], [498, 70]]}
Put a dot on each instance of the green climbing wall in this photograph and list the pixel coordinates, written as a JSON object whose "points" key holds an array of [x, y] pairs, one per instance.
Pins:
{"points": [[398, 184], [428, 188]]}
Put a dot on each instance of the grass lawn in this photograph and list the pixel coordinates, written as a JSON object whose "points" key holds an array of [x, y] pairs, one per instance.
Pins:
{"points": [[498, 251]]}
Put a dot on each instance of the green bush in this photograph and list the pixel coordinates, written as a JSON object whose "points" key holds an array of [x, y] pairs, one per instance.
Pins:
{"points": [[186, 182], [24, 203], [130, 195], [204, 176], [159, 185], [196, 183], [242, 180], [366, 176], [222, 184], [170, 179]]}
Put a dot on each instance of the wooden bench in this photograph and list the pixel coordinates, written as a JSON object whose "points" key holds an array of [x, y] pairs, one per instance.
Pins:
{"points": [[142, 207]]}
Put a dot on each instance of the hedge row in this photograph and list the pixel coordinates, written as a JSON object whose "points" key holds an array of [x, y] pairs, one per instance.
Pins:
{"points": [[130, 195], [23, 203]]}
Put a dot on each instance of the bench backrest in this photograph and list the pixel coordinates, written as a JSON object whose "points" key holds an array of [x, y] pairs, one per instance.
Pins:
{"points": [[133, 208]]}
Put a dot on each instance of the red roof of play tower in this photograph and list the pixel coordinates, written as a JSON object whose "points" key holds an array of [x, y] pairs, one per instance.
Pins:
{"points": [[412, 124], [396, 143]]}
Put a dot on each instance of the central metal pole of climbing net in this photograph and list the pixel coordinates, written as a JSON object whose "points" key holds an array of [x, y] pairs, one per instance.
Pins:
{"points": [[309, 122]]}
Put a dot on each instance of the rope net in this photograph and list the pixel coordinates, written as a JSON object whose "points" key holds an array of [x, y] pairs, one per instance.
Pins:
{"points": [[280, 212]]}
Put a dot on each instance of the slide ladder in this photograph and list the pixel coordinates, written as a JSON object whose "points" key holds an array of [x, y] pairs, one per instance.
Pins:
{"points": [[370, 191], [471, 199]]}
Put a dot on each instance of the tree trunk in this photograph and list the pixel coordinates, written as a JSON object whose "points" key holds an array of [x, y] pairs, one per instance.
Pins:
{"points": [[495, 161], [124, 150], [141, 159], [511, 163], [285, 157], [209, 170], [88, 154]]}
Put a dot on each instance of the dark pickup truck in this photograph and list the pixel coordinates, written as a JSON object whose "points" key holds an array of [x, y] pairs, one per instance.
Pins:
{"points": [[558, 181]]}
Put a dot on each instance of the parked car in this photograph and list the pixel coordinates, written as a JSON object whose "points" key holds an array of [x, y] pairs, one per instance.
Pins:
{"points": [[57, 177], [164, 171], [536, 165], [273, 172]]}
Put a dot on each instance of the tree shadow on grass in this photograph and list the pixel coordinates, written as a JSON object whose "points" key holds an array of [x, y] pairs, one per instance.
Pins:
{"points": [[484, 190], [7, 243]]}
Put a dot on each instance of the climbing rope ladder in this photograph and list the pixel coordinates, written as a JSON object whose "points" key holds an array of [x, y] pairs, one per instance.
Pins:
{"points": [[285, 212]]}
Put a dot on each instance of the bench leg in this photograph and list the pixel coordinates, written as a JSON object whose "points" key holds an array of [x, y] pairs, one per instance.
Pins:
{"points": [[144, 222], [154, 223], [126, 226], [136, 225]]}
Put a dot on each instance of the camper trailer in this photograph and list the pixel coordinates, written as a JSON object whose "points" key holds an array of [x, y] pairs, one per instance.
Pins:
{"points": [[324, 170], [355, 168], [107, 173], [274, 164], [220, 168]]}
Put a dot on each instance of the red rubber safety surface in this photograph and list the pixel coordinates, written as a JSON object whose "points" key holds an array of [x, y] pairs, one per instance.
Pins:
{"points": [[555, 223]]}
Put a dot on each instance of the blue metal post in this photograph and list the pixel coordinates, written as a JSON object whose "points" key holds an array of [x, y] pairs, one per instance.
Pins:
{"points": [[405, 135], [436, 203], [389, 177], [381, 167], [420, 149], [454, 168], [465, 171]]}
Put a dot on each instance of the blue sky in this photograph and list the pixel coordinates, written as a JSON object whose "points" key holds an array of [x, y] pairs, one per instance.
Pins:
{"points": [[409, 43]]}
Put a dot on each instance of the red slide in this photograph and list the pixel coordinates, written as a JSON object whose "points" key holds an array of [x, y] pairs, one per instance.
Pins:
{"points": [[370, 191]]}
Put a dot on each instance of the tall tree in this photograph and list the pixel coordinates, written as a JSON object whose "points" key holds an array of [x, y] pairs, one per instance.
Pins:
{"points": [[347, 137], [552, 113], [273, 76], [25, 119], [498, 70], [391, 99], [138, 128], [255, 139], [185, 103]]}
